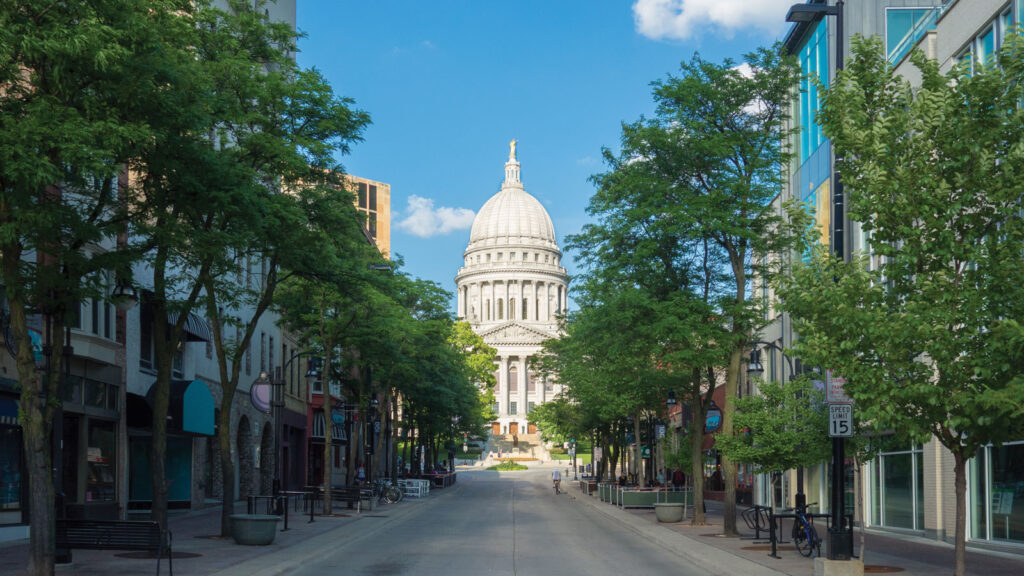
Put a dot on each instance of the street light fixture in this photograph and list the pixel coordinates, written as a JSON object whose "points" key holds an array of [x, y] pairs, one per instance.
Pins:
{"points": [[124, 295], [840, 545]]}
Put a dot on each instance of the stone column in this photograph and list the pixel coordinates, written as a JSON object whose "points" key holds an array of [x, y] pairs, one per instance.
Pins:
{"points": [[503, 386], [462, 302], [522, 392]]}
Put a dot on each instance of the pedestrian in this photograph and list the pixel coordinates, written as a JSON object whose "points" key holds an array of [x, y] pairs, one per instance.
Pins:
{"points": [[677, 478], [360, 475]]}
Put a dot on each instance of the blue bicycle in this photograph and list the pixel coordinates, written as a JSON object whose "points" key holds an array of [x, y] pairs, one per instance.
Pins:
{"points": [[805, 537]]}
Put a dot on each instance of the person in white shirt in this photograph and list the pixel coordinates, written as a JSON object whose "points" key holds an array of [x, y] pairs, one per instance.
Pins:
{"points": [[556, 479]]}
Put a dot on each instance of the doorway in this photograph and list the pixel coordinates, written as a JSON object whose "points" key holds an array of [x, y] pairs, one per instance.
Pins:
{"points": [[513, 428], [495, 428]]}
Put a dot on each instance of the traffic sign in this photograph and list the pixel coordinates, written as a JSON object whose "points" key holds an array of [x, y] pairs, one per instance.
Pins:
{"points": [[840, 420], [835, 389]]}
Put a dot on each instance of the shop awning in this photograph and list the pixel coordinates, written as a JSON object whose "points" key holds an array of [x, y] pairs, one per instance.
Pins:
{"points": [[196, 328], [191, 408], [337, 430]]}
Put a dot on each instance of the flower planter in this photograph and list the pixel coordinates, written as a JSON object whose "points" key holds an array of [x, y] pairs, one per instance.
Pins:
{"points": [[670, 512], [254, 529]]}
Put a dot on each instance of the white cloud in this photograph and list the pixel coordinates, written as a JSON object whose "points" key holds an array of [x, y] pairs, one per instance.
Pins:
{"points": [[423, 220], [682, 19]]}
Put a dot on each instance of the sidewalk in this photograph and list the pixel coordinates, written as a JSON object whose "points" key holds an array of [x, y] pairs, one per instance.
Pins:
{"points": [[200, 551], [705, 547]]}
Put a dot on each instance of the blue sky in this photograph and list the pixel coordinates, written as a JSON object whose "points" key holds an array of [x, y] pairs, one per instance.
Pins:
{"points": [[449, 83]]}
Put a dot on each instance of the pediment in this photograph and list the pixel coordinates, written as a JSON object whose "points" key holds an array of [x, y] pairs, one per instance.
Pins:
{"points": [[515, 333]]}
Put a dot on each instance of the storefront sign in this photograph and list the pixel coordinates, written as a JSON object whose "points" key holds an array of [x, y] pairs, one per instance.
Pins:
{"points": [[713, 420], [259, 395]]}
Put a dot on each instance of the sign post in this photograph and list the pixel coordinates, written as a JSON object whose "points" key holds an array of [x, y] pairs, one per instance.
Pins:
{"points": [[840, 427]]}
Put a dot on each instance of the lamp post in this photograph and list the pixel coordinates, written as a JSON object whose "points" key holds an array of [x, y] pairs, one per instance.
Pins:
{"points": [[277, 406], [840, 545], [756, 369]]}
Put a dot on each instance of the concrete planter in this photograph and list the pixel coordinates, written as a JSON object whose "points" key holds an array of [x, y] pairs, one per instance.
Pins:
{"points": [[254, 529], [669, 512]]}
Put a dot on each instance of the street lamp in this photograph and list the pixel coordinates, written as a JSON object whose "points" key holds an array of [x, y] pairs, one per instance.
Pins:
{"points": [[756, 369], [277, 405], [840, 545]]}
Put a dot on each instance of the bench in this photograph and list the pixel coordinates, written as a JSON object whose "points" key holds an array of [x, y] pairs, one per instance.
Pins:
{"points": [[349, 494], [140, 535]]}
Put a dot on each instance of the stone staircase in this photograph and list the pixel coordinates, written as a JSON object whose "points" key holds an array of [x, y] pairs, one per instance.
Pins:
{"points": [[530, 446]]}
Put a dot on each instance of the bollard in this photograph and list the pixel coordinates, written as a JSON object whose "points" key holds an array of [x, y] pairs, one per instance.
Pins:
{"points": [[771, 531]]}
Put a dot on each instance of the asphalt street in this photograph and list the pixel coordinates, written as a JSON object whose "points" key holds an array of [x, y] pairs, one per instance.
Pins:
{"points": [[493, 523]]}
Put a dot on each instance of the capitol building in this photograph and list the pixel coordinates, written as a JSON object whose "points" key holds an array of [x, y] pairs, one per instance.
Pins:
{"points": [[511, 288]]}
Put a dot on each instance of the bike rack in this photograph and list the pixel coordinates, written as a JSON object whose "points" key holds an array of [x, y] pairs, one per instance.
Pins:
{"points": [[757, 519]]}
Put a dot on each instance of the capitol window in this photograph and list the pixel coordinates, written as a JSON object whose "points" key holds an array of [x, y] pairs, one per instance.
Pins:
{"points": [[499, 256]]}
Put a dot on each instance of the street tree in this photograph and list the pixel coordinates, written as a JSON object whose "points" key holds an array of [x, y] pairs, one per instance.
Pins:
{"points": [[716, 143], [782, 427], [71, 80], [924, 328]]}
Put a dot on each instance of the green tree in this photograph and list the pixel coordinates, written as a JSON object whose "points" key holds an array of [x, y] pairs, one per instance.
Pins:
{"points": [[72, 78], [782, 427], [718, 137], [924, 335]]}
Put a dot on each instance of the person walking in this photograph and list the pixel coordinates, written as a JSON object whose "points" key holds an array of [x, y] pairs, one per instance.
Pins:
{"points": [[677, 478]]}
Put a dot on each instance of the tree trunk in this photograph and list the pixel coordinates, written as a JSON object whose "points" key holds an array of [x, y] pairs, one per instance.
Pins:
{"points": [[697, 469], [36, 429], [960, 544], [728, 466], [161, 402], [227, 468], [641, 472]]}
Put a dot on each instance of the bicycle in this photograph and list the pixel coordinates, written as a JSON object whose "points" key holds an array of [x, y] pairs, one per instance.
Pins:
{"points": [[805, 537], [558, 489], [387, 492]]}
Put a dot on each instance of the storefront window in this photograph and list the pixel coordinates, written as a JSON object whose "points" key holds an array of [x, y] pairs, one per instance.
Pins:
{"points": [[997, 490], [897, 489], [100, 459], [10, 475]]}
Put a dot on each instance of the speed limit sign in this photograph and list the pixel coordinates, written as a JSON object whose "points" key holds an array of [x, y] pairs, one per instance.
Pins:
{"points": [[840, 420]]}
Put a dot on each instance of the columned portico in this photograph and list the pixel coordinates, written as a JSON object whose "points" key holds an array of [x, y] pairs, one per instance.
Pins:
{"points": [[511, 289]]}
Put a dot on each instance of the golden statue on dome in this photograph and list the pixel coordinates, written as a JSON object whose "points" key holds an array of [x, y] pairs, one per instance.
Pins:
{"points": [[512, 150]]}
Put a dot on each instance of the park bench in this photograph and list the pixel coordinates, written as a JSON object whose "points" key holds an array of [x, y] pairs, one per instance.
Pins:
{"points": [[116, 535], [351, 495]]}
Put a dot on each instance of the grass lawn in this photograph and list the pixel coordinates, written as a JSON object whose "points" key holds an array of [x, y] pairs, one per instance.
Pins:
{"points": [[508, 466], [580, 458]]}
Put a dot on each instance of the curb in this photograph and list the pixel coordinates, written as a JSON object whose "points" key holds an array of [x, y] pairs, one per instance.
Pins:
{"points": [[293, 557], [709, 558]]}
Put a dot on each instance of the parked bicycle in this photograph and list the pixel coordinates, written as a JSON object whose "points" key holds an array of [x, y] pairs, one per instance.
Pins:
{"points": [[805, 537], [387, 492]]}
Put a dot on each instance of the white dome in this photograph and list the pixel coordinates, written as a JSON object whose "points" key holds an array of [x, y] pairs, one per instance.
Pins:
{"points": [[512, 216]]}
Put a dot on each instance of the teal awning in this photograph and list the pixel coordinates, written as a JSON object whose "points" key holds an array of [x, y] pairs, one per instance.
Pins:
{"points": [[191, 408]]}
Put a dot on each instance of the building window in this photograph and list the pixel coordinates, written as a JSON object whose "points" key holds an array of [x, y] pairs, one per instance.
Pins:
{"points": [[511, 408], [525, 308], [362, 194], [263, 352], [501, 309], [11, 468], [904, 27], [995, 477], [107, 328], [270, 356], [488, 305], [146, 334], [897, 489], [530, 406], [100, 483], [496, 408], [531, 383], [513, 380], [373, 198], [813, 62]]}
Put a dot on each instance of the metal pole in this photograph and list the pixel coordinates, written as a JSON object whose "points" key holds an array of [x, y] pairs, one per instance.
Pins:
{"points": [[840, 538]]}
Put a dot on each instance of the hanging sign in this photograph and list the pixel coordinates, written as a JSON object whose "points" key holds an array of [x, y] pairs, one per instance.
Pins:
{"points": [[713, 420]]}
